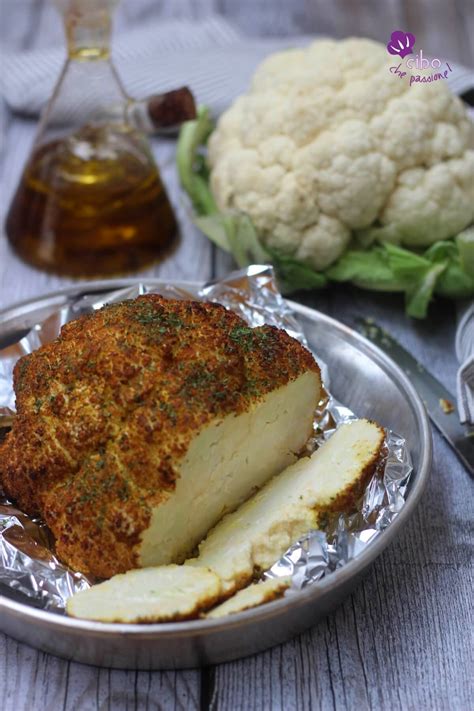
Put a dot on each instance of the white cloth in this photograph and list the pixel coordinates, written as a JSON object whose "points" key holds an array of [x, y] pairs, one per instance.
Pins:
{"points": [[211, 56], [217, 61]]}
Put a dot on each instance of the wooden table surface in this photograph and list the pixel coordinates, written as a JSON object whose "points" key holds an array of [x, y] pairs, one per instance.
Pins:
{"points": [[402, 639]]}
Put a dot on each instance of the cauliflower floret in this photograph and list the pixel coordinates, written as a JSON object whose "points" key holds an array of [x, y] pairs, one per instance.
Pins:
{"points": [[349, 175], [323, 242], [429, 205], [328, 142]]}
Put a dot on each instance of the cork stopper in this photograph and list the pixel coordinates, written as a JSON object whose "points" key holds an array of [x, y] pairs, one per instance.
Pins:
{"points": [[171, 108]]}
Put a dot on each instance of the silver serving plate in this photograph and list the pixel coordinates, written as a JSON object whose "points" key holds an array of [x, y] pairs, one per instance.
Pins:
{"points": [[364, 379]]}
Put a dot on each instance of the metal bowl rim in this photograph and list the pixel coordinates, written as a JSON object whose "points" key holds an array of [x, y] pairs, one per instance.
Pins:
{"points": [[277, 607]]}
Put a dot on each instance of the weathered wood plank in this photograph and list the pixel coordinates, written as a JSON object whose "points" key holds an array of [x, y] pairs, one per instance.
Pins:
{"points": [[31, 679], [441, 28]]}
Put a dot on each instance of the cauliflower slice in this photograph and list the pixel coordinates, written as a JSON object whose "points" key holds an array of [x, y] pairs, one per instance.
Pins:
{"points": [[252, 596], [256, 535], [249, 540], [161, 594]]}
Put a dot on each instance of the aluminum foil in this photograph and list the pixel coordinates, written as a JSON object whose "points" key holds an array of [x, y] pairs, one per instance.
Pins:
{"points": [[28, 564]]}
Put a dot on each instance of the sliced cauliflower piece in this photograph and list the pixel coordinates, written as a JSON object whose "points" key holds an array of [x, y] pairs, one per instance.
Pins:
{"points": [[244, 542], [255, 536], [252, 596], [161, 594]]}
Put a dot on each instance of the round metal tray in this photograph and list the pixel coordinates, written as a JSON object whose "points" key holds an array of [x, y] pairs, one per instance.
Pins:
{"points": [[363, 378]]}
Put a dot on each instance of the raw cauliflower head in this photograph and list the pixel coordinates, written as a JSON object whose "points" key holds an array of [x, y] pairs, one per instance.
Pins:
{"points": [[328, 142]]}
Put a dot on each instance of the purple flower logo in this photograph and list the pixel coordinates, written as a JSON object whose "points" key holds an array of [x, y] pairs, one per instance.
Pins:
{"points": [[401, 43]]}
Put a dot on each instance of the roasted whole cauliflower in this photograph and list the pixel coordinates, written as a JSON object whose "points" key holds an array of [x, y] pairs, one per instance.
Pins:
{"points": [[145, 422], [329, 143]]}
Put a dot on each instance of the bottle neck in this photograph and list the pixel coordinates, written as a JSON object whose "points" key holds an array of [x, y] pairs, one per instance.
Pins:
{"points": [[88, 25]]}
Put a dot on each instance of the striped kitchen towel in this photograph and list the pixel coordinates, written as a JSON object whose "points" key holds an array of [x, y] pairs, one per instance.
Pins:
{"points": [[211, 56]]}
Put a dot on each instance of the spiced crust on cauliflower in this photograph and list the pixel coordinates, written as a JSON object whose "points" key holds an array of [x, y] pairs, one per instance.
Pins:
{"points": [[144, 422]]}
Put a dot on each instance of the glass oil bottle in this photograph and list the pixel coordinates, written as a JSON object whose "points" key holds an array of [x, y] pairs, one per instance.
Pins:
{"points": [[90, 201]]}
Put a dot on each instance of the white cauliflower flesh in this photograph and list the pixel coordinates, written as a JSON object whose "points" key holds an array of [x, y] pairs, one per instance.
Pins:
{"points": [[252, 596], [246, 541], [161, 594], [291, 504], [328, 142]]}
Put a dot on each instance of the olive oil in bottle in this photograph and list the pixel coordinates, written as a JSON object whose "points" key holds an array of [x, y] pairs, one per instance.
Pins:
{"points": [[91, 204], [90, 201]]}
